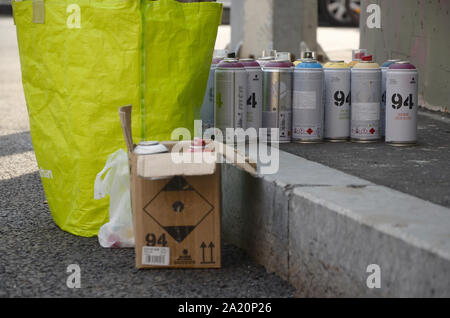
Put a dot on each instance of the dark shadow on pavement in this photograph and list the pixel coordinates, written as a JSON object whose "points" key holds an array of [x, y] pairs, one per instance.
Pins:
{"points": [[15, 143], [5, 10]]}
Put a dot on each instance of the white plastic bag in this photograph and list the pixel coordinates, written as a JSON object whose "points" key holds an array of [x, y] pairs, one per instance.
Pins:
{"points": [[118, 232]]}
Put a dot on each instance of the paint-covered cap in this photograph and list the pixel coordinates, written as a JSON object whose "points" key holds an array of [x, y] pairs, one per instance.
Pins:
{"points": [[336, 64], [230, 63], [403, 65], [389, 63], [279, 64], [308, 63], [216, 60], [366, 65], [249, 63], [357, 55]]}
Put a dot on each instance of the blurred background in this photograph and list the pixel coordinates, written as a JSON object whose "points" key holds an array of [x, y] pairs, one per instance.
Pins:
{"points": [[330, 27], [410, 30]]}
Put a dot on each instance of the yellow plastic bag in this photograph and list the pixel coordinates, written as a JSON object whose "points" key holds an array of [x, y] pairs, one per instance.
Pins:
{"points": [[83, 59], [179, 42]]}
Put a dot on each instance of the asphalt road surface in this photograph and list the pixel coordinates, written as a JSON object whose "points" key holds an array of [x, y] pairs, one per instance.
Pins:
{"points": [[35, 253]]}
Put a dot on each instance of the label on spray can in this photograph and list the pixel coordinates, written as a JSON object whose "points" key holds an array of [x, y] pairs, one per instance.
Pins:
{"points": [[308, 108], [337, 101], [207, 110], [277, 101], [384, 69], [401, 103], [254, 93], [230, 96], [365, 102]]}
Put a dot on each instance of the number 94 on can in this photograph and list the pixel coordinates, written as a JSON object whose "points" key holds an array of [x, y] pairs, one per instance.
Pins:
{"points": [[401, 104]]}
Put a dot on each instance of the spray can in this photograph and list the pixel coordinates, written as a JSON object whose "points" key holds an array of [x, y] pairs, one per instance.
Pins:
{"points": [[254, 93], [308, 108], [365, 101], [384, 68], [207, 109], [337, 101], [230, 96], [402, 80], [357, 56], [306, 55], [277, 100]]}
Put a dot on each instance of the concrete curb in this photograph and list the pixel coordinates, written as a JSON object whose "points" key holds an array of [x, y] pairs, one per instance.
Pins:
{"points": [[320, 229]]}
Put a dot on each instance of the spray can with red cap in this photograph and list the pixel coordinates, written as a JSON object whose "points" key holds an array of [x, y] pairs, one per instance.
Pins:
{"points": [[357, 56]]}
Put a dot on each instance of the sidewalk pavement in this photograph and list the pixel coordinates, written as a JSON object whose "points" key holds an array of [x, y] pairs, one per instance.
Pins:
{"points": [[35, 253]]}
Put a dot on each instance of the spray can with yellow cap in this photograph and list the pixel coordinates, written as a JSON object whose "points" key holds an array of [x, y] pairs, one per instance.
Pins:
{"points": [[337, 101], [365, 101]]}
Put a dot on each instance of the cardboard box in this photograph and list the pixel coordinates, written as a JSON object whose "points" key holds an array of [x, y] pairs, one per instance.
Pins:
{"points": [[176, 208]]}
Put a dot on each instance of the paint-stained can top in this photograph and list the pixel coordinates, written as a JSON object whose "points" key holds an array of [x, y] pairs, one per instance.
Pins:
{"points": [[403, 65], [279, 64], [249, 63], [230, 63], [266, 58], [365, 65], [336, 64], [389, 63], [309, 64], [217, 60]]}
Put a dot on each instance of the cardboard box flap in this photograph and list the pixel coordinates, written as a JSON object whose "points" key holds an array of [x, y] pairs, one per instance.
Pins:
{"points": [[160, 166], [237, 158], [167, 165], [125, 121]]}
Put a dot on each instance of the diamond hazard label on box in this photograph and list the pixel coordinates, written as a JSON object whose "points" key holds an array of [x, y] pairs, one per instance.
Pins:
{"points": [[178, 208]]}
